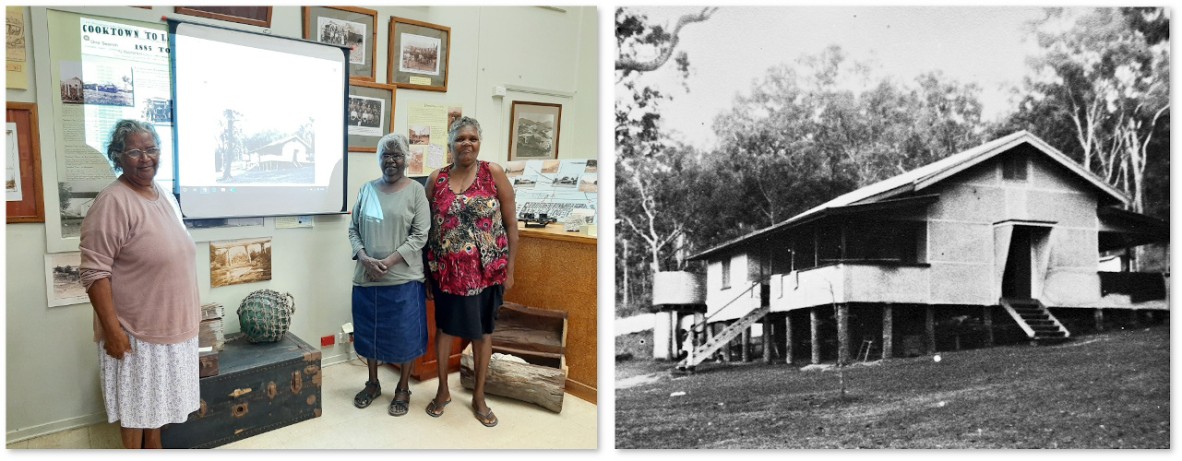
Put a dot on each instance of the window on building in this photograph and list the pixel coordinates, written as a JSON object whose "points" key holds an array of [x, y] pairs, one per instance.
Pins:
{"points": [[829, 244], [883, 242], [1014, 167], [804, 254], [726, 273]]}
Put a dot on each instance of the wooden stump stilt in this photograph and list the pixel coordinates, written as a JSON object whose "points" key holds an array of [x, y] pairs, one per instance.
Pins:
{"points": [[815, 333], [788, 338], [930, 328]]}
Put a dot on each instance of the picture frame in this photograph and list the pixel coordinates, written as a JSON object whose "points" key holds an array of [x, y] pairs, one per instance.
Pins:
{"points": [[342, 25], [534, 130], [363, 135], [251, 15], [419, 54], [24, 170]]}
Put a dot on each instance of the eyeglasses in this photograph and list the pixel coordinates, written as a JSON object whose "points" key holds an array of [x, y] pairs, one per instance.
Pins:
{"points": [[467, 141], [393, 156], [136, 153]]}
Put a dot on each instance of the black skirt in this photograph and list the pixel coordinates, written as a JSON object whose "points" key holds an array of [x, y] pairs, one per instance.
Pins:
{"points": [[469, 317]]}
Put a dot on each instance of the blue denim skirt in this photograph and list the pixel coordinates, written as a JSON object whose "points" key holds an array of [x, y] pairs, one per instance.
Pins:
{"points": [[390, 322]]}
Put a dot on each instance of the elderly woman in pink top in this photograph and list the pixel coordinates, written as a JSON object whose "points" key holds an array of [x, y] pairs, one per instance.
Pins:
{"points": [[139, 265]]}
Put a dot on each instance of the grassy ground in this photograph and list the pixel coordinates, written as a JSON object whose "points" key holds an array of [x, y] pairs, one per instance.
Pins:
{"points": [[1109, 390]]}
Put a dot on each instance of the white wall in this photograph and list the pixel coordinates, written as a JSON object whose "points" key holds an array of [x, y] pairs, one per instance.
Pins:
{"points": [[51, 363]]}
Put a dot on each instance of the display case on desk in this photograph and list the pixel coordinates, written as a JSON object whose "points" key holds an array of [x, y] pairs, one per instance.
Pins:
{"points": [[557, 270]]}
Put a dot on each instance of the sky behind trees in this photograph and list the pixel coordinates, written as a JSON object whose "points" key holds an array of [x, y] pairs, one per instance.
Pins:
{"points": [[981, 45]]}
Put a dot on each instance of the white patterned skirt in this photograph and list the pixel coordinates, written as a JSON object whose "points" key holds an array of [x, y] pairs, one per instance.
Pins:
{"points": [[154, 385]]}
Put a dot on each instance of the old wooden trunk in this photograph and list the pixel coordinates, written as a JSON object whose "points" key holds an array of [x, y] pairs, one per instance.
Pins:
{"points": [[259, 387], [537, 336]]}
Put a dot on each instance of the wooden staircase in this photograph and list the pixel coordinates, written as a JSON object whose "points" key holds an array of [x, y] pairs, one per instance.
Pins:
{"points": [[704, 350], [1035, 319]]}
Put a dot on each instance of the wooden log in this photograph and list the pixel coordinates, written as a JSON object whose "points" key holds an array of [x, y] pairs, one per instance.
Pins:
{"points": [[537, 384], [888, 332], [528, 328]]}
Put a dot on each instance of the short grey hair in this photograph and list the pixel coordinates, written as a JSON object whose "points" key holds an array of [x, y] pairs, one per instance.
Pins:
{"points": [[459, 124], [392, 143], [120, 133]]}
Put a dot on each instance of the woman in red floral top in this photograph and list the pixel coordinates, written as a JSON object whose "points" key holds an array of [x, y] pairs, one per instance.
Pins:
{"points": [[470, 252]]}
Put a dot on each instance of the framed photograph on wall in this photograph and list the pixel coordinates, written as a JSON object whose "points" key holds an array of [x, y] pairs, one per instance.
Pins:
{"points": [[22, 181], [533, 130], [252, 15], [418, 55], [370, 114], [348, 26]]}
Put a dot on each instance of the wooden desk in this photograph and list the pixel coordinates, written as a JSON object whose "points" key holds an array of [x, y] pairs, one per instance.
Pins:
{"points": [[426, 367], [557, 270]]}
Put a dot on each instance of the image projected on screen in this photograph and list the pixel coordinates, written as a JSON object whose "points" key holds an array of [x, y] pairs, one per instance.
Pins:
{"points": [[260, 124]]}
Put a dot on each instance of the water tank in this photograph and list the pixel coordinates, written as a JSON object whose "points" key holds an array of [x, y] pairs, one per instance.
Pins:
{"points": [[678, 287]]}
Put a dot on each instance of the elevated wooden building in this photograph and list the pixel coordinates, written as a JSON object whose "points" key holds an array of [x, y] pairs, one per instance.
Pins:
{"points": [[1002, 239]]}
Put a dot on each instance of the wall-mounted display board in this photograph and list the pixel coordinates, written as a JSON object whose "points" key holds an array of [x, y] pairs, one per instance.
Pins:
{"points": [[555, 187], [98, 70]]}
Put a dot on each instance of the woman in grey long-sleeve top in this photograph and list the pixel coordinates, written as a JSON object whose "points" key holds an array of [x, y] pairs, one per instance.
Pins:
{"points": [[387, 232]]}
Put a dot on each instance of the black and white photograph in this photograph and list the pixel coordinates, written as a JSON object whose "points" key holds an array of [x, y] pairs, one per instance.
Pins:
{"points": [[107, 84], [528, 181], [251, 148], [352, 35], [346, 26], [366, 115], [157, 111], [420, 54], [239, 261], [62, 279], [12, 165], [565, 182], [533, 130], [892, 227]]}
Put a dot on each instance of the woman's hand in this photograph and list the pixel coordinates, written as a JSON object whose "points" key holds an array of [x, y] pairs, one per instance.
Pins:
{"points": [[508, 281], [374, 269], [117, 344], [394, 259]]}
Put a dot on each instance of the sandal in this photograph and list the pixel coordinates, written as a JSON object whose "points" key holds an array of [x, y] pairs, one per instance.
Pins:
{"points": [[364, 398], [435, 409], [400, 406], [487, 419]]}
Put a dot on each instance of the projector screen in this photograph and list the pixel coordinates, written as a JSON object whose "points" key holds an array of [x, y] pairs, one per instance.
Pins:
{"points": [[260, 123]]}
